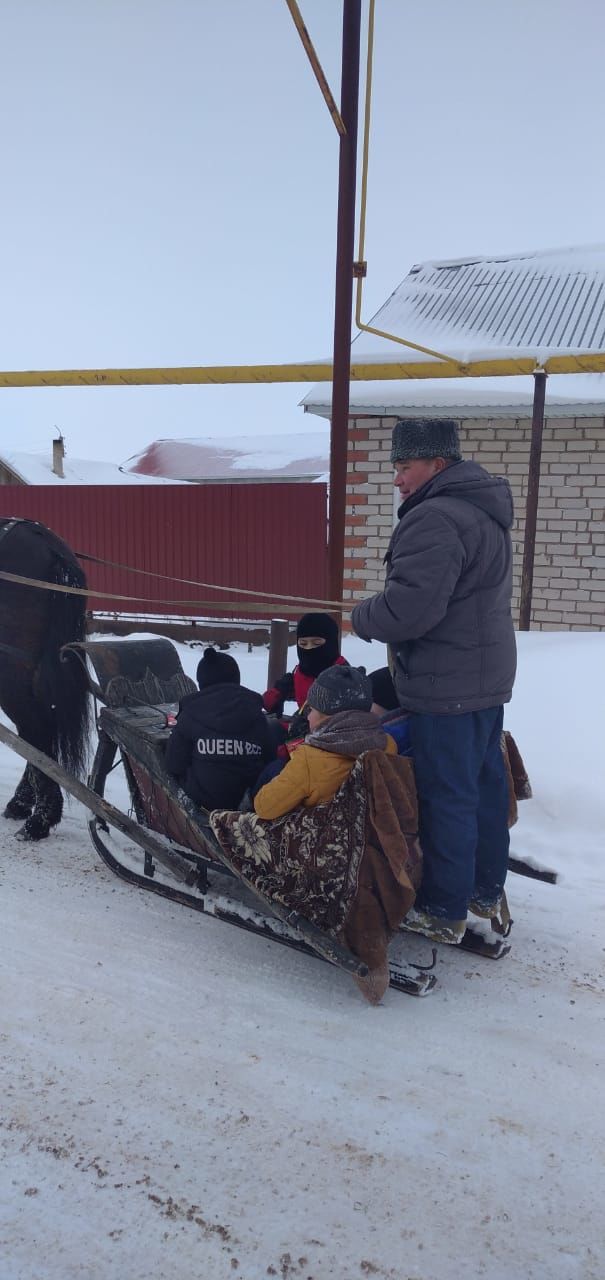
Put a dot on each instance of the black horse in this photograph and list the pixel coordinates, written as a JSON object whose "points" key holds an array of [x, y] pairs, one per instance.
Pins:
{"points": [[46, 698]]}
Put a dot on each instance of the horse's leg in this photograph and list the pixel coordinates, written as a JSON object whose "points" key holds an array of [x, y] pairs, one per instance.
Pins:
{"points": [[48, 709], [48, 807], [23, 800], [17, 700], [34, 725]]}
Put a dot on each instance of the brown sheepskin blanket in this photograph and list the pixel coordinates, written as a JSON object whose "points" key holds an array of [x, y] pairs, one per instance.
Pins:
{"points": [[519, 786], [391, 867], [351, 867]]}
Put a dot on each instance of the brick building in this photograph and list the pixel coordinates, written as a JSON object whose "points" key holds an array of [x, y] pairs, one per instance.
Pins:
{"points": [[560, 298], [569, 571]]}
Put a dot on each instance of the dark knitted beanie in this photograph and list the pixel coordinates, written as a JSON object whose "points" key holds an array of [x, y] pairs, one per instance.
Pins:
{"points": [[340, 689], [383, 689], [217, 668], [425, 438]]}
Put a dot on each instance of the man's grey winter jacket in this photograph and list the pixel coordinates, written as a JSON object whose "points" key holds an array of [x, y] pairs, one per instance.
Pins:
{"points": [[445, 610]]}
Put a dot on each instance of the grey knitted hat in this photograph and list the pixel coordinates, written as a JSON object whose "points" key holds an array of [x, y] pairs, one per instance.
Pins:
{"points": [[340, 689], [425, 438]]}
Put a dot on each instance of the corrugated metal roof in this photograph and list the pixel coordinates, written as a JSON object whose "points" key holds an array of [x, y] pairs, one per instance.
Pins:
{"points": [[539, 304], [467, 397]]}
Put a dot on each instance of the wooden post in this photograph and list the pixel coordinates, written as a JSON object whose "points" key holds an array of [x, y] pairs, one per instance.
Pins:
{"points": [[278, 650], [531, 505]]}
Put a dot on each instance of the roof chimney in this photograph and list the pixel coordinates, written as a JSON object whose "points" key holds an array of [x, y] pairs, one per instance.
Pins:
{"points": [[58, 456]]}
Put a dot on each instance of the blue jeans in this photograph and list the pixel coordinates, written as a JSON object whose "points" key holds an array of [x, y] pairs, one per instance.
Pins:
{"points": [[463, 809]]}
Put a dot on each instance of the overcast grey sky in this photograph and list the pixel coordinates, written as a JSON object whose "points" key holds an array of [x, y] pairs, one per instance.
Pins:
{"points": [[169, 186]]}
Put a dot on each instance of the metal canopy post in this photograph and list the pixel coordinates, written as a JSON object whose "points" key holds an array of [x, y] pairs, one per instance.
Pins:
{"points": [[531, 505], [345, 253]]}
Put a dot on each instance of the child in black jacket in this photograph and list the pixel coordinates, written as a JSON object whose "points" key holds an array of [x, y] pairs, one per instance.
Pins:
{"points": [[221, 740]]}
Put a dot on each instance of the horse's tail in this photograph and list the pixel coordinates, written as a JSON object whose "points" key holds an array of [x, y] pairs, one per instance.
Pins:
{"points": [[64, 682]]}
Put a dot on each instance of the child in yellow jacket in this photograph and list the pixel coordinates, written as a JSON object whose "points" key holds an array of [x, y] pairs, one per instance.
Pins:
{"points": [[342, 728]]}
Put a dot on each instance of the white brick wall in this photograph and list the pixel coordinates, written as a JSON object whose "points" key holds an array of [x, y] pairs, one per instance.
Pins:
{"points": [[569, 571]]}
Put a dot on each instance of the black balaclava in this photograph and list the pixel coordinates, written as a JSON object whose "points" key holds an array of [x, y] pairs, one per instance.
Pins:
{"points": [[313, 661]]}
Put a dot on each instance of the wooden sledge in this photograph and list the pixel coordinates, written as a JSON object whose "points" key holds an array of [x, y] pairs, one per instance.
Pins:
{"points": [[171, 848]]}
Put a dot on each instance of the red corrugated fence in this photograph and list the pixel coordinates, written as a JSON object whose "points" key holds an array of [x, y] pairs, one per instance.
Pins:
{"points": [[262, 537]]}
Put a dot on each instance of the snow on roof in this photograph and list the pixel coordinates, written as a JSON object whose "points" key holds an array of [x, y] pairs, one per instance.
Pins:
{"points": [[510, 397], [36, 468], [528, 304], [236, 458]]}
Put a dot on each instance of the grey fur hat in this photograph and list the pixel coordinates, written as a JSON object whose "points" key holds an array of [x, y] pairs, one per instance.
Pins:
{"points": [[425, 438], [340, 688]]}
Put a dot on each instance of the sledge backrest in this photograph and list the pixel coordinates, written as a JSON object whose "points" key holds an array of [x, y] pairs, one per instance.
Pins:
{"points": [[134, 672]]}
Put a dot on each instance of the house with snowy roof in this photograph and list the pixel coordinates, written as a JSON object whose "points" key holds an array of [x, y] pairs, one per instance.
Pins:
{"points": [[58, 468], [236, 459], [527, 310]]}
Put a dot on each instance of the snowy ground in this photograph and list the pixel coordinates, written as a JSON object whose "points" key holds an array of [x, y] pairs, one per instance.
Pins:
{"points": [[181, 1100]]}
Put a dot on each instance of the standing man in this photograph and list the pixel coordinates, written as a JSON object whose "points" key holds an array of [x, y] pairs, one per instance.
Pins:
{"points": [[445, 614]]}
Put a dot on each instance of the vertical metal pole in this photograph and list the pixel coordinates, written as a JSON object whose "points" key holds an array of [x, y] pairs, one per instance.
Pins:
{"points": [[531, 505], [345, 253], [278, 650]]}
